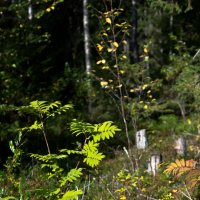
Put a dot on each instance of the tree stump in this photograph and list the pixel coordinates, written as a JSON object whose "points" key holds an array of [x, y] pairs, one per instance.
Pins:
{"points": [[153, 163], [141, 139], [180, 146]]}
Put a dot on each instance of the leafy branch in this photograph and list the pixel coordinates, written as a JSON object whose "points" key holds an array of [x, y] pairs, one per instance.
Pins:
{"points": [[185, 168]]}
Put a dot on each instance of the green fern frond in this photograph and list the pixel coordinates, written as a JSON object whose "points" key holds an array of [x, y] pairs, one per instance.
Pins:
{"points": [[49, 157], [71, 195], [55, 170], [71, 176], [39, 106], [49, 109], [59, 110], [9, 198], [35, 126], [71, 151], [93, 158], [90, 146], [78, 128], [104, 131]]}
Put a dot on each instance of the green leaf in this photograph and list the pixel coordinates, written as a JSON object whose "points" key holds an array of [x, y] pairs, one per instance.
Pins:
{"points": [[105, 131], [93, 157], [71, 195], [71, 176], [11, 145], [78, 128], [8, 198]]}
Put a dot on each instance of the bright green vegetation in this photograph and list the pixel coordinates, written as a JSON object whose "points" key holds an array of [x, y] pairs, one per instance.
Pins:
{"points": [[68, 131]]}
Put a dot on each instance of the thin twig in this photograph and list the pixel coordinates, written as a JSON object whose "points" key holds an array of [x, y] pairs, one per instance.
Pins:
{"points": [[45, 138], [197, 53]]}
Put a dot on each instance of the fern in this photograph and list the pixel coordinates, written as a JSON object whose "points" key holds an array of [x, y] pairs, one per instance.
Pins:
{"points": [[72, 175], [9, 198], [71, 195], [93, 157], [104, 131], [45, 109], [39, 106], [60, 110], [49, 157], [78, 128], [186, 168], [71, 151]]}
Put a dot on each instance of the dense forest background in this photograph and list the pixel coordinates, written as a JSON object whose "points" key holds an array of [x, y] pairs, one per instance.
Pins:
{"points": [[75, 73]]}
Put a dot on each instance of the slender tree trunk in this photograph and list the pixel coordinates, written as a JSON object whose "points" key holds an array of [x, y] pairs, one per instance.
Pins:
{"points": [[87, 50], [86, 36], [134, 56], [30, 10]]}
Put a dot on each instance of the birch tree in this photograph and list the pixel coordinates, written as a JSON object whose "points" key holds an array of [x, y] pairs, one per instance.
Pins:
{"points": [[133, 41], [86, 37], [30, 10]]}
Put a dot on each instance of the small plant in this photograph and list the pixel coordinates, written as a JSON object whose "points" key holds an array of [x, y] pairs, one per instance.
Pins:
{"points": [[187, 169], [86, 154], [187, 172]]}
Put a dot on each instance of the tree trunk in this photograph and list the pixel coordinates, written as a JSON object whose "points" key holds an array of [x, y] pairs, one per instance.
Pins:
{"points": [[141, 139], [180, 146], [86, 36], [87, 52], [134, 56], [30, 10], [153, 163]]}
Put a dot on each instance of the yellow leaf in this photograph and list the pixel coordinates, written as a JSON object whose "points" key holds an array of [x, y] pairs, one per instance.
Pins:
{"points": [[144, 189], [118, 25], [124, 57], [104, 83], [187, 163], [99, 62], [145, 107], [144, 86], [100, 47], [145, 50], [124, 42], [131, 90], [105, 34], [189, 121], [109, 49], [182, 161], [103, 61], [108, 20], [178, 163], [119, 86], [105, 67], [122, 197], [115, 44], [48, 9]]}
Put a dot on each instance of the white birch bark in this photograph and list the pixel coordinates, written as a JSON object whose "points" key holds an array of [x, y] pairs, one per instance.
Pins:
{"points": [[133, 40], [30, 10], [86, 36]]}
